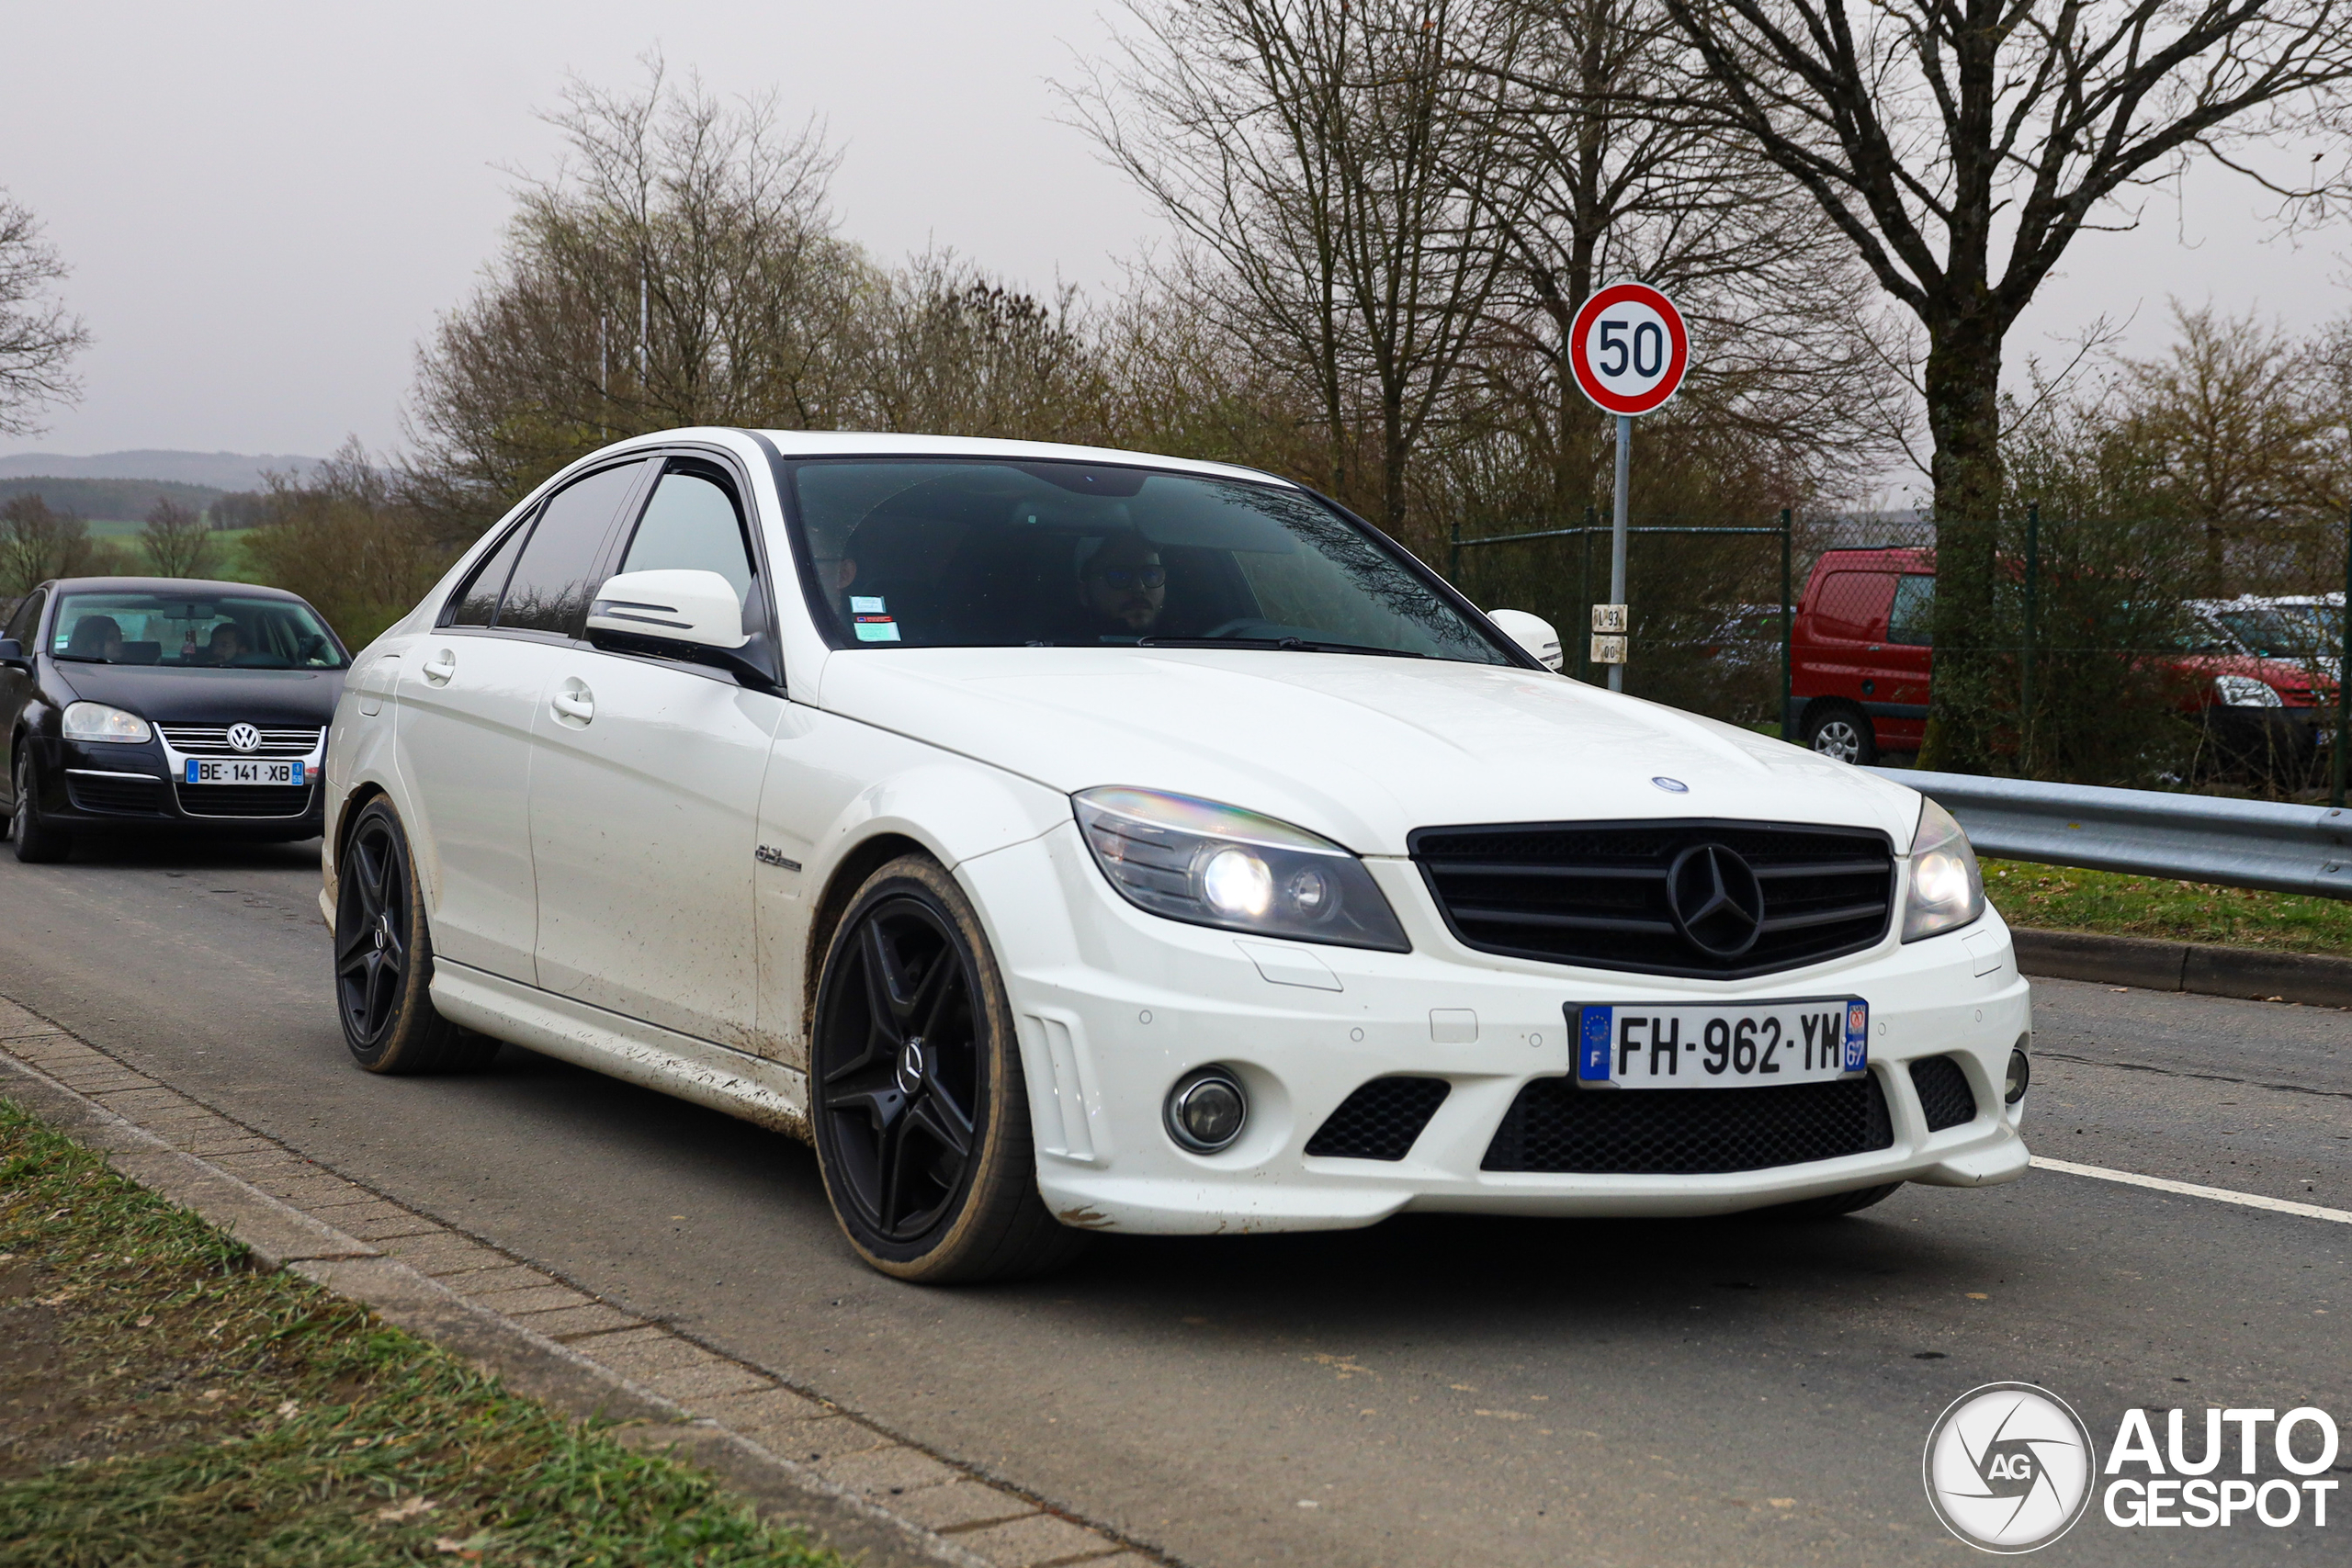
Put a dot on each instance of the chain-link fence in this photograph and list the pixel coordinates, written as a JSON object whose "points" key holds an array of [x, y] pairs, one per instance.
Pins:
{"points": [[2114, 651]]}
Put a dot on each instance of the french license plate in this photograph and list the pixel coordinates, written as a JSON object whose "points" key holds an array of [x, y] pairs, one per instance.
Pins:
{"points": [[204, 770], [1721, 1045]]}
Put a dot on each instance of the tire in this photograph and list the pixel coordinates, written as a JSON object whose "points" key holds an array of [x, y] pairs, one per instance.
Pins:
{"points": [[916, 1094], [1842, 732], [383, 959], [37, 843], [1835, 1204]]}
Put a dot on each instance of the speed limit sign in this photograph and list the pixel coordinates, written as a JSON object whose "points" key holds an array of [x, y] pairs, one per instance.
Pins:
{"points": [[1629, 348]]}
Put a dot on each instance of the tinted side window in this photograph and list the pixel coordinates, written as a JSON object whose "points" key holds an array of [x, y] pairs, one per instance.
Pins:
{"points": [[476, 601], [1853, 605], [1912, 619], [25, 622], [553, 582], [693, 522]]}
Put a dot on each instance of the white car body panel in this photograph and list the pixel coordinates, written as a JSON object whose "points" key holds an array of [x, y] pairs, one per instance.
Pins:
{"points": [[971, 754]]}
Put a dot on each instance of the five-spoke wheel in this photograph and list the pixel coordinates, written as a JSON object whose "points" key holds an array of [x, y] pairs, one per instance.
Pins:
{"points": [[919, 1107], [383, 958]]}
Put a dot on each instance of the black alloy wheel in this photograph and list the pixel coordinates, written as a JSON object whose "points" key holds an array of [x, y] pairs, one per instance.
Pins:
{"points": [[383, 958], [37, 843], [920, 1110]]}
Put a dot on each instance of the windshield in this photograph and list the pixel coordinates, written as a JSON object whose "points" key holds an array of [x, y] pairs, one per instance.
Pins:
{"points": [[182, 631], [2273, 633], [979, 553]]}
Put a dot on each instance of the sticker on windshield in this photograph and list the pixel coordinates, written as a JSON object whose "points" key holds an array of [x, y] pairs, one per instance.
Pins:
{"points": [[876, 629], [859, 604]]}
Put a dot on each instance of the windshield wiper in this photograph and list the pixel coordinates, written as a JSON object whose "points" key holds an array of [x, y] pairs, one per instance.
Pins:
{"points": [[1281, 644]]}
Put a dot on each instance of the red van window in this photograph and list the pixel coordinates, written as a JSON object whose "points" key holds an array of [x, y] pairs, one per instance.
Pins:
{"points": [[1852, 605]]}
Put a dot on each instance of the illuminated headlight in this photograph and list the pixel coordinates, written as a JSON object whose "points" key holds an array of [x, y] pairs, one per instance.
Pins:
{"points": [[1946, 890], [1217, 865], [2245, 692], [96, 721]]}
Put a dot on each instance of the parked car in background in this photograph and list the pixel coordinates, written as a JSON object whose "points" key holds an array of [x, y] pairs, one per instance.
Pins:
{"points": [[167, 704], [1862, 658]]}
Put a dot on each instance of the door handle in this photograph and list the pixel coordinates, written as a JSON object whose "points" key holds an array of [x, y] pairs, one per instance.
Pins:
{"points": [[438, 669], [579, 706]]}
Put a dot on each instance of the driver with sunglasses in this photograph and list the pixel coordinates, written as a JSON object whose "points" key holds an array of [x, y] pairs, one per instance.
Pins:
{"points": [[1122, 586]]}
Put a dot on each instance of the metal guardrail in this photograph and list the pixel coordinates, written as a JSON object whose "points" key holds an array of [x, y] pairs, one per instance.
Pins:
{"points": [[2192, 838]]}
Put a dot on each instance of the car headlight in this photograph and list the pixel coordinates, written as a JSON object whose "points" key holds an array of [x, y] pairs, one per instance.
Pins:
{"points": [[1217, 865], [96, 721], [1946, 890], [2245, 692]]}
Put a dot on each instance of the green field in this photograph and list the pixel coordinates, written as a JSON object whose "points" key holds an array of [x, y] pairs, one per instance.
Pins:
{"points": [[2113, 904]]}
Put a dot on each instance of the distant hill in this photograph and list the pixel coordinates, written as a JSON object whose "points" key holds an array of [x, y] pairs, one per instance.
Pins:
{"points": [[214, 471], [126, 501]]}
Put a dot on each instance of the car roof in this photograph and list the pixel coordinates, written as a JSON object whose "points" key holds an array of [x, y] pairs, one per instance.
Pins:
{"points": [[187, 585], [874, 444]]}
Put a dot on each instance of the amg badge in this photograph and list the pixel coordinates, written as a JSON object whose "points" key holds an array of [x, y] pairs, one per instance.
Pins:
{"points": [[768, 855]]}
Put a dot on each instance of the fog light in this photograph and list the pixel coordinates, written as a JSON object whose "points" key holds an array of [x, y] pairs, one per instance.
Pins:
{"points": [[2019, 1076], [1206, 1108]]}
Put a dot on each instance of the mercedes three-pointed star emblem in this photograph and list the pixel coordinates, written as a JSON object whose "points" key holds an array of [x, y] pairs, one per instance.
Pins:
{"points": [[1717, 902]]}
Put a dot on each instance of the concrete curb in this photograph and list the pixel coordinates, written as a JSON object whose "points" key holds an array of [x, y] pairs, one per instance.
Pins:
{"points": [[593, 1361], [2207, 968]]}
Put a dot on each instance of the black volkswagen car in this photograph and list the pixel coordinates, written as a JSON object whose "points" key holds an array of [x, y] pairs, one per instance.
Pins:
{"points": [[164, 703]]}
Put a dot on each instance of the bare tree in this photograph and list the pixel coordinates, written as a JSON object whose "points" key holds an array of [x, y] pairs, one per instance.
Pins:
{"points": [[2233, 416], [1960, 146], [1329, 162], [679, 269], [39, 337], [1614, 178], [176, 540], [37, 543]]}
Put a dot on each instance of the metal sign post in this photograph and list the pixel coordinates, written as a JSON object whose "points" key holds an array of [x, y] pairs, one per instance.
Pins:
{"points": [[1629, 350]]}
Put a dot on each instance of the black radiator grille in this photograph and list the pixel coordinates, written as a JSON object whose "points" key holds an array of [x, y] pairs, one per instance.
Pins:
{"points": [[1380, 1119], [1557, 1128], [1598, 894], [1944, 1093], [112, 792], [244, 800]]}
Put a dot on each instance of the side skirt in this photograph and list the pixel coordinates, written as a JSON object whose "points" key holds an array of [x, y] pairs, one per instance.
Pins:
{"points": [[768, 1093]]}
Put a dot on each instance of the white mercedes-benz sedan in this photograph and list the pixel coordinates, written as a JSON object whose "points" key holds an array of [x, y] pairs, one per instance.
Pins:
{"points": [[1066, 840]]}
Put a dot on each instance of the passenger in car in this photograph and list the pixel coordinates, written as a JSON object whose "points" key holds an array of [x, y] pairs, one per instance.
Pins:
{"points": [[96, 637], [1123, 584], [226, 644]]}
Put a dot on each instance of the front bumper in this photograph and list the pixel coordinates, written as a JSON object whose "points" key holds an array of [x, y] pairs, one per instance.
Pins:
{"points": [[1113, 1006], [142, 784]]}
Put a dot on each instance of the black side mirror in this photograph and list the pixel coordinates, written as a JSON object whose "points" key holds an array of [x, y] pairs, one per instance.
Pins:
{"points": [[12, 655]]}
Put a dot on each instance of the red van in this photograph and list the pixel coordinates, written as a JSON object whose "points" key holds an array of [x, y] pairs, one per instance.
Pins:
{"points": [[1859, 657]]}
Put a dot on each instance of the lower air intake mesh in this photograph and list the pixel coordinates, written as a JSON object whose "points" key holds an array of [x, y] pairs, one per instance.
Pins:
{"points": [[1944, 1093], [1557, 1128], [1380, 1119]]}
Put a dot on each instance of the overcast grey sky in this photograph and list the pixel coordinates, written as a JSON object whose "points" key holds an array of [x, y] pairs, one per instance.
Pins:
{"points": [[264, 205]]}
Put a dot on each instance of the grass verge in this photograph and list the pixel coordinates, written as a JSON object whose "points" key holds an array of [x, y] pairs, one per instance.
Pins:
{"points": [[2114, 904], [160, 1402]]}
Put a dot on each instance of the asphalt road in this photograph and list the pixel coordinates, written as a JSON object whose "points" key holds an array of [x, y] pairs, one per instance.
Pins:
{"points": [[1437, 1390]]}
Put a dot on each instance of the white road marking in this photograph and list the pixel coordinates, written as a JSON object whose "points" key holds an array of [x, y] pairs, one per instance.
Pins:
{"points": [[2190, 1190]]}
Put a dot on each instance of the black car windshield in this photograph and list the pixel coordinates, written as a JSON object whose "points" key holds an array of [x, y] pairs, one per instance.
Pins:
{"points": [[990, 553], [201, 631]]}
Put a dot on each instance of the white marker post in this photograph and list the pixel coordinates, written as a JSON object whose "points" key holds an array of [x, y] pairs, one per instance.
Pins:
{"points": [[1629, 350]]}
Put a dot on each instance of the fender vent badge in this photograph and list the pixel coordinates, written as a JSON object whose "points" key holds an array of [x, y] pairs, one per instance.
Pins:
{"points": [[767, 855]]}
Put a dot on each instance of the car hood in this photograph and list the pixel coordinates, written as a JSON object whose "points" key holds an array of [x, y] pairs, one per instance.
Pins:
{"points": [[168, 695], [1361, 750]]}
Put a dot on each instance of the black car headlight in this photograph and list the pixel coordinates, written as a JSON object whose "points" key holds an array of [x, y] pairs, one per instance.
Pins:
{"points": [[1218, 865], [96, 721], [1946, 890]]}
